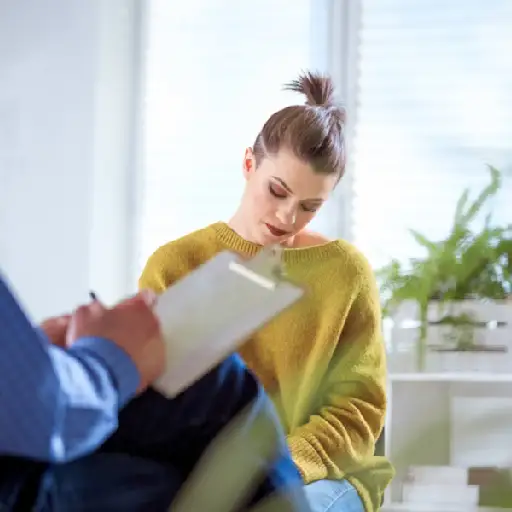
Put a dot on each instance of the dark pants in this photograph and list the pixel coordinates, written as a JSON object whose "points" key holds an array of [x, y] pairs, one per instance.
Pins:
{"points": [[162, 443]]}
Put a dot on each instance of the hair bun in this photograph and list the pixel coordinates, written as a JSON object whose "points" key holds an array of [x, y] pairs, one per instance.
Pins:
{"points": [[318, 88]]}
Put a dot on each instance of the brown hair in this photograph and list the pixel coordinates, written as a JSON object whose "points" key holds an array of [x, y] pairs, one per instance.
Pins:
{"points": [[314, 132]]}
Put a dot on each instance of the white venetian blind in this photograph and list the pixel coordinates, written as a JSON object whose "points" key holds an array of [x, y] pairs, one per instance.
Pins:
{"points": [[213, 74], [435, 105]]}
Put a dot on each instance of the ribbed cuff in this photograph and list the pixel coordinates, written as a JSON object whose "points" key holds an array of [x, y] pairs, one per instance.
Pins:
{"points": [[310, 464]]}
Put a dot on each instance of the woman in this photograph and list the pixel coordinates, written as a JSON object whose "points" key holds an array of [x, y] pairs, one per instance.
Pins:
{"points": [[323, 360]]}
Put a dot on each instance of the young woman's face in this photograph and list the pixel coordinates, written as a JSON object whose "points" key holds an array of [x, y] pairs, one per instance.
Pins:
{"points": [[281, 196]]}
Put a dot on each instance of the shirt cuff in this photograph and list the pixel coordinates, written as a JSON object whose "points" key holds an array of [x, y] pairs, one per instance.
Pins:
{"points": [[120, 366]]}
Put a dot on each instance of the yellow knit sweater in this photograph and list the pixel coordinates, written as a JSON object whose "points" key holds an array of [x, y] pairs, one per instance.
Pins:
{"points": [[322, 361]]}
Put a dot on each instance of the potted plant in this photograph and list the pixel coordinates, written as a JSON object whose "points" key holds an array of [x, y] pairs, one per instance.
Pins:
{"points": [[468, 264]]}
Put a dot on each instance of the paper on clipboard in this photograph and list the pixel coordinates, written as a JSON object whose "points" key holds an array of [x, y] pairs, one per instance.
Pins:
{"points": [[208, 313]]}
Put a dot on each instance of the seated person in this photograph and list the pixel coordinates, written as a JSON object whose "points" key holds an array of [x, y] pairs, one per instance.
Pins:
{"points": [[323, 360], [81, 428]]}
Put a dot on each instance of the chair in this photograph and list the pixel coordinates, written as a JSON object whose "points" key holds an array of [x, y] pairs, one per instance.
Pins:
{"points": [[380, 448]]}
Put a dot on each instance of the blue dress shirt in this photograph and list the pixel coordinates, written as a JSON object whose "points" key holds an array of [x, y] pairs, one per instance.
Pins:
{"points": [[57, 405]]}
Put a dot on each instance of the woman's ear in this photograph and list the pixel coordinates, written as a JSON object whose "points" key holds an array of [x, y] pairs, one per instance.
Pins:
{"points": [[249, 164]]}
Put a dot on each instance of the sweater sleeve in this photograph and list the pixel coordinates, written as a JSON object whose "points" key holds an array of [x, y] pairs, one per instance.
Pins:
{"points": [[175, 260], [344, 430], [155, 273]]}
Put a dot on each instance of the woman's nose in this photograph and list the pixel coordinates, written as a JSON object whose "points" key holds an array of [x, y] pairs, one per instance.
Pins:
{"points": [[287, 216]]}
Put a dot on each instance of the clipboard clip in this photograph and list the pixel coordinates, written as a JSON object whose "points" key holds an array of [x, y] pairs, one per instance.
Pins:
{"points": [[269, 262], [266, 268]]}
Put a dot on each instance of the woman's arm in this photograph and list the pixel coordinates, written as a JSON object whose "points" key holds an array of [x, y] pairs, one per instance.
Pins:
{"points": [[161, 270], [345, 429]]}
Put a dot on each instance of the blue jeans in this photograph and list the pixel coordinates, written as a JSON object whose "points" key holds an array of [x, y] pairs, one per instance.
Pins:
{"points": [[333, 496], [107, 481], [157, 447]]}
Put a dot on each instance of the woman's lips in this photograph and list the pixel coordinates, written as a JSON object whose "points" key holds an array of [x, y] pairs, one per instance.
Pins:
{"points": [[276, 231]]}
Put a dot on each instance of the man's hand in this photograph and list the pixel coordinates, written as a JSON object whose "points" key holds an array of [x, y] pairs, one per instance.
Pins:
{"points": [[131, 325], [56, 328]]}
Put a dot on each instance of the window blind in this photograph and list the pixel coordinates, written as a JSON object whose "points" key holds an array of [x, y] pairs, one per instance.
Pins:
{"points": [[434, 106], [213, 73]]}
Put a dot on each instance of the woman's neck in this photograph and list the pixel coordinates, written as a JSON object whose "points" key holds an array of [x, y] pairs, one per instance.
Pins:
{"points": [[239, 226]]}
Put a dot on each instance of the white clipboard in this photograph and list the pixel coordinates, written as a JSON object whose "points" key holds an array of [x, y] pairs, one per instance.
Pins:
{"points": [[208, 313]]}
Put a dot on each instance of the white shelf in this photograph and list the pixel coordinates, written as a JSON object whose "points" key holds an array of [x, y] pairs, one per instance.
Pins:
{"points": [[450, 377], [435, 507], [421, 429]]}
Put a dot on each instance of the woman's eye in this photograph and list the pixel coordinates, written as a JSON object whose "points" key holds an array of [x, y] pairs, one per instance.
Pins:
{"points": [[310, 209], [276, 192]]}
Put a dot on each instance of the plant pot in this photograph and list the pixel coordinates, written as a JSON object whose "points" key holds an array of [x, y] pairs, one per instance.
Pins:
{"points": [[484, 344], [481, 358]]}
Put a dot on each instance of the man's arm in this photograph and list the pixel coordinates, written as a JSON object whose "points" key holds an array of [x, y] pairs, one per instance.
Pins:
{"points": [[57, 405]]}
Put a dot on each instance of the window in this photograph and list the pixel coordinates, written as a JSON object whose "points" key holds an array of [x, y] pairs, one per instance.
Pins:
{"points": [[213, 74], [434, 106]]}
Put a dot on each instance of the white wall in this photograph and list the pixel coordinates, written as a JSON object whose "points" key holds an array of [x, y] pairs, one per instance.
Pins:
{"points": [[66, 106]]}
